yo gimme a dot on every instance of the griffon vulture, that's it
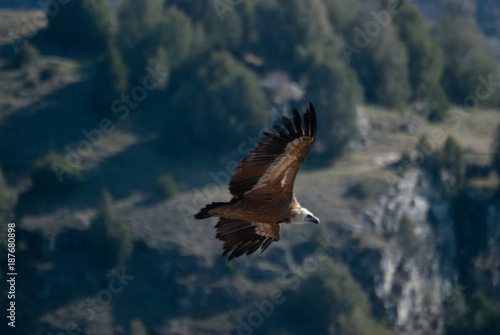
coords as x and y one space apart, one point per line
262 189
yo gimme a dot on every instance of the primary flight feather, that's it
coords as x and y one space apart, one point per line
262 189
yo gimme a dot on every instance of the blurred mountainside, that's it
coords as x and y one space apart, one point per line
114 133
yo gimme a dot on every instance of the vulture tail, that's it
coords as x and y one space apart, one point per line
204 213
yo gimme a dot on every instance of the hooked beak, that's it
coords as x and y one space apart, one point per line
314 220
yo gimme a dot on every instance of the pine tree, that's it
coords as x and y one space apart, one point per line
334 90
110 80
452 159
109 236
153 34
137 38
425 57
467 58
295 37
176 37
382 64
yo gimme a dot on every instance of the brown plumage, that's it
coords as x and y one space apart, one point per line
262 189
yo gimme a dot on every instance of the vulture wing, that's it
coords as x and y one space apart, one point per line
272 166
243 237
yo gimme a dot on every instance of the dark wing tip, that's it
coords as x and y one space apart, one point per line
310 120
289 126
282 133
242 238
298 123
270 147
299 128
267 243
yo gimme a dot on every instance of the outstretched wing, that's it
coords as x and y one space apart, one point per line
243 237
272 166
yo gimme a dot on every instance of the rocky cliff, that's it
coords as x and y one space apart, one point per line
418 262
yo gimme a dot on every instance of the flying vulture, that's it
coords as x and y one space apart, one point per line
262 189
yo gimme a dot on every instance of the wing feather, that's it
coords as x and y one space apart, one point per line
277 156
298 123
307 125
283 134
289 126
243 237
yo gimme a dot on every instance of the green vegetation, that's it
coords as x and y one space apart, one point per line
223 28
478 315
467 58
46 181
166 187
475 312
342 15
360 190
29 59
452 160
84 25
425 60
423 148
151 34
110 80
177 37
202 47
334 90
28 55
336 304
236 102
137 36
470 227
382 65
404 164
437 104
109 236
314 42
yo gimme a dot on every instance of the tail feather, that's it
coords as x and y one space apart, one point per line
204 213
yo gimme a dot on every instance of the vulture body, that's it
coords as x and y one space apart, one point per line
262 189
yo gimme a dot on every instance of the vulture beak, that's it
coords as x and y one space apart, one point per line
314 220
